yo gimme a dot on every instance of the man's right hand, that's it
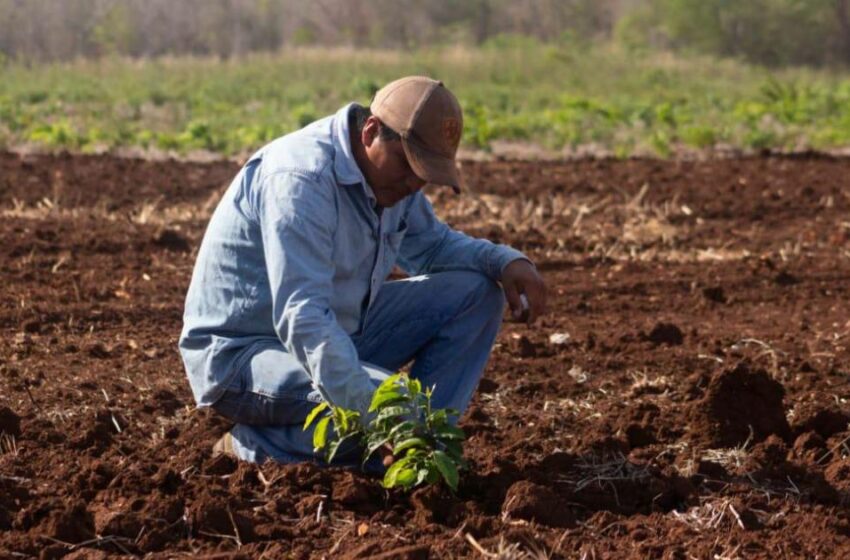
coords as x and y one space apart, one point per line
387 457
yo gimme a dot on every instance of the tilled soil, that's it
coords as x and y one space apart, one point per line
686 397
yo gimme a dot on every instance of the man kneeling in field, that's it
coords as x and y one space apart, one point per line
289 303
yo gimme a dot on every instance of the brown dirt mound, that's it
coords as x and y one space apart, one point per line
826 421
533 502
740 404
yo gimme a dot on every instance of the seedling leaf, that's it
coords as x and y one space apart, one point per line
422 476
389 385
393 472
321 433
403 428
390 412
447 469
390 397
373 446
335 445
314 413
449 432
406 477
411 443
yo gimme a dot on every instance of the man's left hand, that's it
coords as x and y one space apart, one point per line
519 278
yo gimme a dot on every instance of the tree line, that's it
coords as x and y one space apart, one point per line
772 32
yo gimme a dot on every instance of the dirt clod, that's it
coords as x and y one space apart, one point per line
715 294
524 348
826 421
172 240
666 333
10 423
838 475
71 524
533 502
785 278
356 493
740 405
809 447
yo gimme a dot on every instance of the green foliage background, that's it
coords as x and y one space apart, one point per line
770 32
557 95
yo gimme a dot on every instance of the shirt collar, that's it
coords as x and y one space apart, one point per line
345 166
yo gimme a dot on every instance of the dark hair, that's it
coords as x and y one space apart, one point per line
359 114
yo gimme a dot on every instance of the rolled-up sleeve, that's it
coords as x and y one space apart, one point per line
432 246
298 219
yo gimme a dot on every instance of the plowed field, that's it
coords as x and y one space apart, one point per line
686 397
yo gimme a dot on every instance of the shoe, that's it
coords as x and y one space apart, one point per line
224 446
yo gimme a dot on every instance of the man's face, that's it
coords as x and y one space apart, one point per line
388 172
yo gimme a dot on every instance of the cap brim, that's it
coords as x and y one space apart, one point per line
430 166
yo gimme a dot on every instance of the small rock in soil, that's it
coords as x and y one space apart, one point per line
666 333
559 338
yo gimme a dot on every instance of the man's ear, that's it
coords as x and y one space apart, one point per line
371 128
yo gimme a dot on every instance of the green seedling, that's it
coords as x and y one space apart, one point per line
427 447
346 423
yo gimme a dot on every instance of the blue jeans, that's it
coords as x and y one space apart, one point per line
445 323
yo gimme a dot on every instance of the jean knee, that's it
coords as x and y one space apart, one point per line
487 294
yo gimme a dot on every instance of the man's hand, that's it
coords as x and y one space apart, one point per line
386 453
519 279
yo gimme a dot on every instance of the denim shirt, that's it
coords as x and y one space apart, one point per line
296 253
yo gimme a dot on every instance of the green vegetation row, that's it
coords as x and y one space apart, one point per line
517 89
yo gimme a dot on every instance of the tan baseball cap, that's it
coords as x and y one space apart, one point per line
430 121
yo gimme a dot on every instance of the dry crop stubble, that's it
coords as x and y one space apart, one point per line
610 224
